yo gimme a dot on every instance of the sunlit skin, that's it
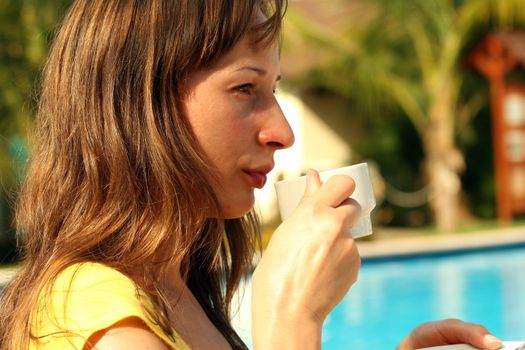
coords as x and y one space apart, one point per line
237 121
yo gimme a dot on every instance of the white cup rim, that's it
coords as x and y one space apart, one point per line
328 171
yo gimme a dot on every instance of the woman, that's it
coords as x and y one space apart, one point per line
157 120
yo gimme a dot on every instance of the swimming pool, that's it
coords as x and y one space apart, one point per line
392 296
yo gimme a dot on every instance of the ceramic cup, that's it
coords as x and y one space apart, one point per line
290 192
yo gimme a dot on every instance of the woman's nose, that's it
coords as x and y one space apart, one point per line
276 130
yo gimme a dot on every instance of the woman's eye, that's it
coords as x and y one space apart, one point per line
245 88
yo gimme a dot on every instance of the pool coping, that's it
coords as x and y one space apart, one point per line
440 243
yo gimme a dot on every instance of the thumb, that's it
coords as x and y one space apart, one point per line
485 340
313 182
475 334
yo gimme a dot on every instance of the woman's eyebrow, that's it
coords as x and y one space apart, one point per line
259 71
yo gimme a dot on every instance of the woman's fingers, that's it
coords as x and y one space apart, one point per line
350 211
336 190
331 201
458 331
313 181
332 193
450 331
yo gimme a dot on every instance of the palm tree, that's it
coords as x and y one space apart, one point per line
410 54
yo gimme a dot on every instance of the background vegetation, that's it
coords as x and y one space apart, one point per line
409 61
26 28
392 63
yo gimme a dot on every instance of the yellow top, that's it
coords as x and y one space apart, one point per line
87 298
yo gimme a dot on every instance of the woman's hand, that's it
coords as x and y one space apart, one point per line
308 267
449 332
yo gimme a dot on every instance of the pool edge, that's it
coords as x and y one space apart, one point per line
441 244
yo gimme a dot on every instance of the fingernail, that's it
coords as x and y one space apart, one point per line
491 340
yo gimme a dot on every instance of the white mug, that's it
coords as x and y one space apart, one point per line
290 192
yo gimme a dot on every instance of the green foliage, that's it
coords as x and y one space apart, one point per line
26 29
408 62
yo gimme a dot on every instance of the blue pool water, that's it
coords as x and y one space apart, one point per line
392 296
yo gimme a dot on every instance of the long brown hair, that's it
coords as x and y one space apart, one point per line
116 176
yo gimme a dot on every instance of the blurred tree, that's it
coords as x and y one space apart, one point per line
25 32
410 56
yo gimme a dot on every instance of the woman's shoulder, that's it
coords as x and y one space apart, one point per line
95 290
93 277
86 298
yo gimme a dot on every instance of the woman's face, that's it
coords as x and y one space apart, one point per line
235 117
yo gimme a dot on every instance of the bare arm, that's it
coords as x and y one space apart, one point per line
128 334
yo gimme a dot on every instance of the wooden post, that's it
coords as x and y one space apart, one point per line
501 165
494 61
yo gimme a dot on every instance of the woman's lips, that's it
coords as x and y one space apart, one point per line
256 179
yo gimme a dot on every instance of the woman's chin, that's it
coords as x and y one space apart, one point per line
238 209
